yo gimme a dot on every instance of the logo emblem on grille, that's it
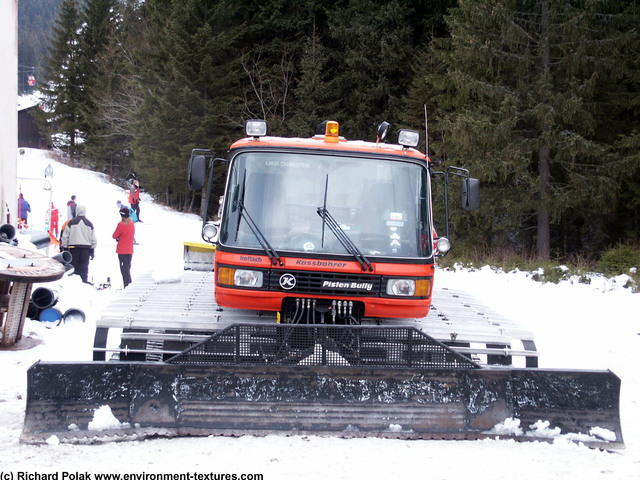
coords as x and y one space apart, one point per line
287 281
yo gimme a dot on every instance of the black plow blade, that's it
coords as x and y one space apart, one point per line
163 399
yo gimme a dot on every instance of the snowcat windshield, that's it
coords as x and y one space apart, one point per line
381 205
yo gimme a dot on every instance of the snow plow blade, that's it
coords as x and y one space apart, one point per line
438 394
198 256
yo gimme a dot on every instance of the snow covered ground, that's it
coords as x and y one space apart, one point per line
595 326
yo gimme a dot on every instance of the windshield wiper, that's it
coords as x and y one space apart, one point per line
262 240
327 219
264 243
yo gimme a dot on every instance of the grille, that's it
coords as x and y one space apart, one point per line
320 345
322 283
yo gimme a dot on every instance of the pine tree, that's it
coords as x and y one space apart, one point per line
98 23
314 100
619 124
115 94
186 76
525 113
274 35
62 89
372 48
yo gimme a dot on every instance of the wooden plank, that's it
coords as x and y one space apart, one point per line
20 265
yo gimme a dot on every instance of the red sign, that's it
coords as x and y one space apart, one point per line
31 80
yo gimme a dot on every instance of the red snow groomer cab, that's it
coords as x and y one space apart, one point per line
324 229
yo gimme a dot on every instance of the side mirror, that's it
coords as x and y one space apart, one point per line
470 194
197 172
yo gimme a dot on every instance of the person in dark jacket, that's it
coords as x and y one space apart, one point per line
79 237
71 208
23 211
134 198
124 234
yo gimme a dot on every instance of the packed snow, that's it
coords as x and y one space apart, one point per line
576 325
104 419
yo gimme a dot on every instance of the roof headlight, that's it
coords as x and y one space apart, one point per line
255 128
408 138
383 131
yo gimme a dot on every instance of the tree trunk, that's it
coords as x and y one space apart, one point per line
543 240
203 206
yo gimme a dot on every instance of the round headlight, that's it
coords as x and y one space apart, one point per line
210 232
443 245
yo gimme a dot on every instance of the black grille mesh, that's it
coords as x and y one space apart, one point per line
317 345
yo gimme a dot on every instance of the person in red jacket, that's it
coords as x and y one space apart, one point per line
55 216
134 198
124 235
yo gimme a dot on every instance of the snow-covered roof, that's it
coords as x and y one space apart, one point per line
27 101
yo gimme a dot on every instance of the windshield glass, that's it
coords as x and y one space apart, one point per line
381 205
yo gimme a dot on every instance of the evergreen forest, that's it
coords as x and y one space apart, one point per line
539 99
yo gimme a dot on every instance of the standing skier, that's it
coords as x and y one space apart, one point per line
71 207
79 237
134 198
124 235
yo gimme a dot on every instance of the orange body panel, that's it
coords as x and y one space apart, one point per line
272 300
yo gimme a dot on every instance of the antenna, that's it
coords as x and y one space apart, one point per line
426 130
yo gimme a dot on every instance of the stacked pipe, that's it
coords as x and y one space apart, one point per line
42 307
43 300
7 233
64 258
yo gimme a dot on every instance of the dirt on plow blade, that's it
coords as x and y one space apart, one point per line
169 400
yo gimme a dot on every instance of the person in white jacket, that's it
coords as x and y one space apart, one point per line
79 237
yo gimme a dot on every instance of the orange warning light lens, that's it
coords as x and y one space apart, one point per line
332 132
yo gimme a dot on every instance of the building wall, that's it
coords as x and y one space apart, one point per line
8 108
28 133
